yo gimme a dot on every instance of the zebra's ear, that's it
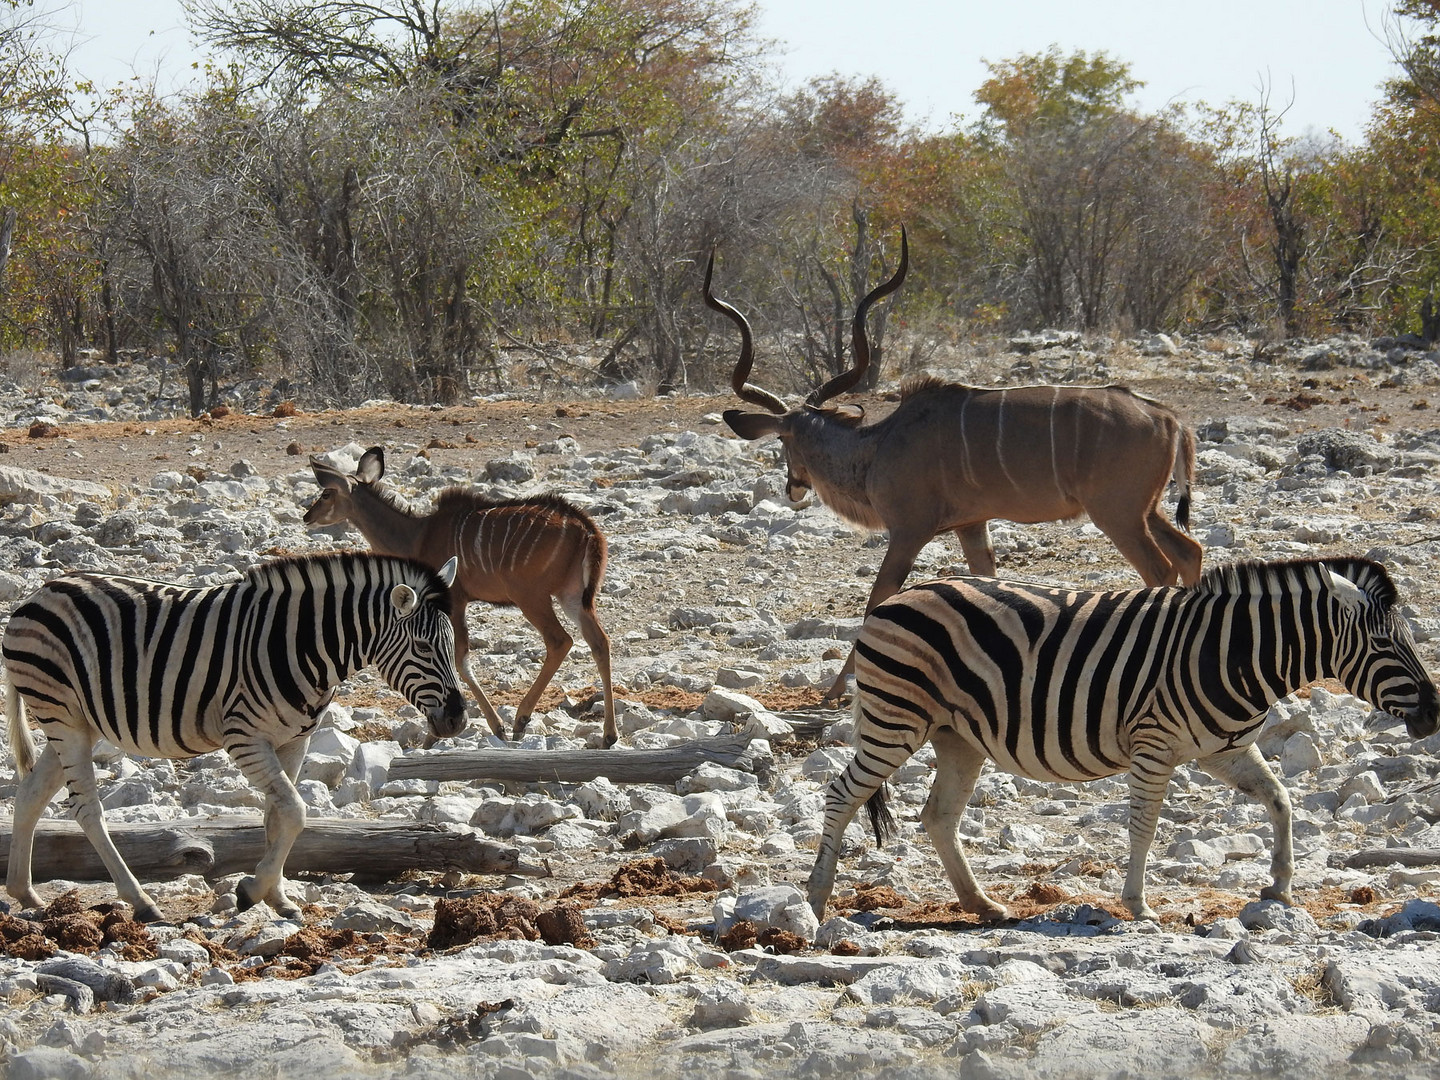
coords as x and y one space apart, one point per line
1346 591
447 572
404 600
371 466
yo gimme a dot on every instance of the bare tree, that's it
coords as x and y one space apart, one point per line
1411 32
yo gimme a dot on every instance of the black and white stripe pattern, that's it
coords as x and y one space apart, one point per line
1058 684
167 671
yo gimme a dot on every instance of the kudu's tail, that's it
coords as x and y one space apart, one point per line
1184 475
20 744
596 552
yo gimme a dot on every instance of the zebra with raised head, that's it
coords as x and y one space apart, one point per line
1059 684
168 671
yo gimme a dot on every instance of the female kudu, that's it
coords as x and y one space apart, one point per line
512 551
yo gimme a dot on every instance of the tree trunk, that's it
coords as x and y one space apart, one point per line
577 766
215 847
1367 857
7 233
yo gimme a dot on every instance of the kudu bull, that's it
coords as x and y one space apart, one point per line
951 457
512 551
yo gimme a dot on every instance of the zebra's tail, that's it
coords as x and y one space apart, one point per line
20 744
881 819
878 805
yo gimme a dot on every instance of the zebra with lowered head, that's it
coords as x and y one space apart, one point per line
168 671
1059 684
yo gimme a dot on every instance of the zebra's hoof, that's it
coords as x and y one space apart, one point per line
1271 892
148 913
989 911
26 897
244 898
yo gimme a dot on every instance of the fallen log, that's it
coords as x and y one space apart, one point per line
620 766
215 847
1384 856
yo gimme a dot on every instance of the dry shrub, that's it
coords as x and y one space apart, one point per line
75 933
643 877
464 919
24 939
563 924
742 935
318 943
67 903
781 941
1045 892
66 924
871 897
284 409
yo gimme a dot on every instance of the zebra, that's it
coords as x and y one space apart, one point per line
169 671
1060 684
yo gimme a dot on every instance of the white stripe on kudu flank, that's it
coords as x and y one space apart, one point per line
1054 449
965 442
1000 439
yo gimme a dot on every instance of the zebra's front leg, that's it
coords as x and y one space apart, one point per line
957 767
1245 770
1149 776
36 790
269 772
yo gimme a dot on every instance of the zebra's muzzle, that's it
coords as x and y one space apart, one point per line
1425 717
448 719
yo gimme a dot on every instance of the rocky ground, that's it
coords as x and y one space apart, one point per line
668 937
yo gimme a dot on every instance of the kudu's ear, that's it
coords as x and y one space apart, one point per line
326 475
404 600
749 425
372 465
447 572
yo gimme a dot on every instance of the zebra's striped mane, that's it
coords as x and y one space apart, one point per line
262 571
1255 575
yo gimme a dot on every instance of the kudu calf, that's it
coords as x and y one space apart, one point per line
951 457
512 551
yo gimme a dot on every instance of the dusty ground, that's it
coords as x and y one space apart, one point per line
836 576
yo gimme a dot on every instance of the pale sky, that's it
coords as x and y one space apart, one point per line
930 53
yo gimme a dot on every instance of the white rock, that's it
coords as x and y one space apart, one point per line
825 764
29 486
710 776
700 814
1300 754
1365 785
728 705
371 763
783 907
